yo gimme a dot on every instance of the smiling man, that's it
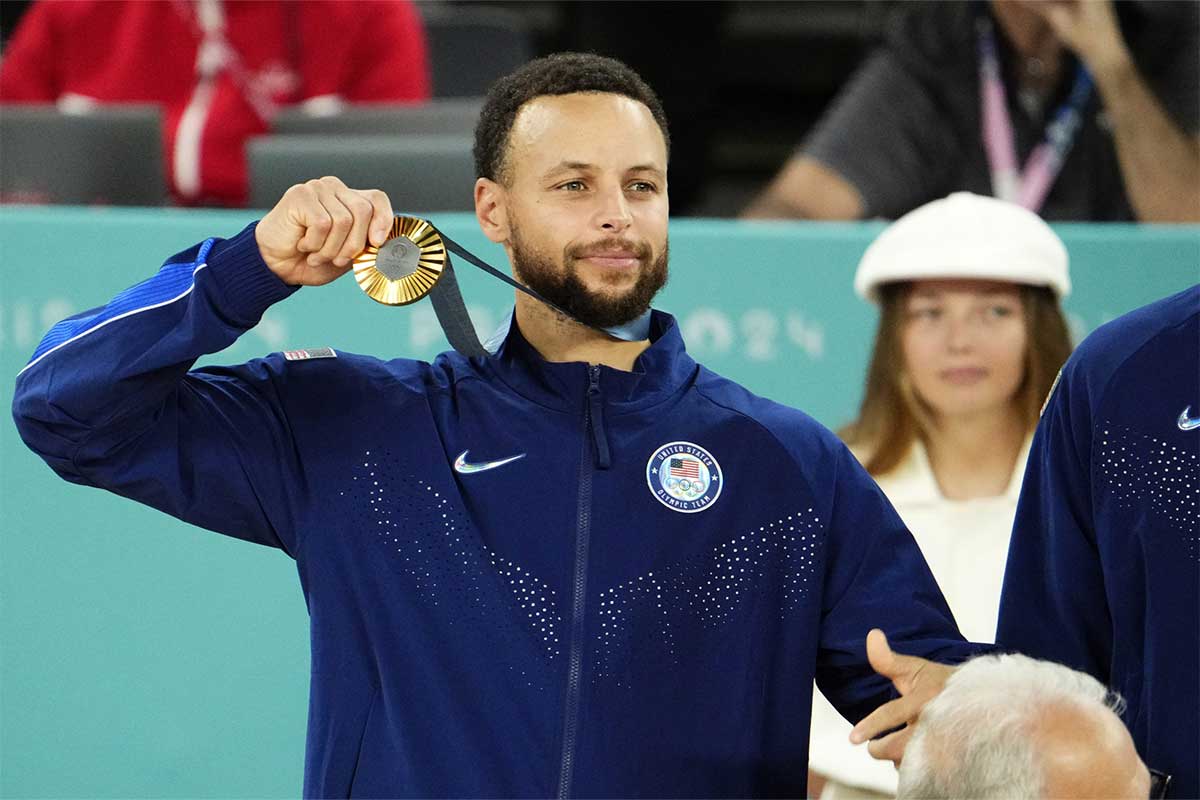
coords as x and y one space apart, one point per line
602 281
583 565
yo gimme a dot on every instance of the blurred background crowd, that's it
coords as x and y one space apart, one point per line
819 109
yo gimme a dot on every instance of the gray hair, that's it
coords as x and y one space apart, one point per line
974 740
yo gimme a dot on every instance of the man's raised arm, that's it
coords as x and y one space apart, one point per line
108 398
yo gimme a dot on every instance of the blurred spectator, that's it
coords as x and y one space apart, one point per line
1079 110
970 338
1009 726
220 70
1104 570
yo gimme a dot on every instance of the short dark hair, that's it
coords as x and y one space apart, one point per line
561 73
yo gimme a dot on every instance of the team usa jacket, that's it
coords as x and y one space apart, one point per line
1104 566
524 578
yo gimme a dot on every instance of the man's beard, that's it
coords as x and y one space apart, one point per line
567 291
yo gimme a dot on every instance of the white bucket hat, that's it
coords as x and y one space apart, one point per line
965 236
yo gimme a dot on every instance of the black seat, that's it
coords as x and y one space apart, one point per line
438 116
110 155
469 48
418 173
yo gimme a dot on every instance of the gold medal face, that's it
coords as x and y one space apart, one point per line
405 267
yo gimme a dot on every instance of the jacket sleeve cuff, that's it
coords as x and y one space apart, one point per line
247 285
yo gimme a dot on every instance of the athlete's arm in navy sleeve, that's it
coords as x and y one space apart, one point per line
108 400
875 577
1053 604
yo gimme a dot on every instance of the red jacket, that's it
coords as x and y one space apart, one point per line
261 54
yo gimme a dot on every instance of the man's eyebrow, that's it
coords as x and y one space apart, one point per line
646 168
568 166
565 166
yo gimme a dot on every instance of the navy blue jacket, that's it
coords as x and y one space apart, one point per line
636 605
1104 565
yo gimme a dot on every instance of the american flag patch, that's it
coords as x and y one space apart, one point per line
684 477
304 355
684 468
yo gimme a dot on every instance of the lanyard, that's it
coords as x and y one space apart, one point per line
215 54
1029 187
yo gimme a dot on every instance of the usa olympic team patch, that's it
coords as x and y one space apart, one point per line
684 477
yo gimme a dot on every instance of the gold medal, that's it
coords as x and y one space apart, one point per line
405 267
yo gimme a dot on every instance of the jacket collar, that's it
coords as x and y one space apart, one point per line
912 481
659 372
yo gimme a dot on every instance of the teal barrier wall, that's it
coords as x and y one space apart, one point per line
140 657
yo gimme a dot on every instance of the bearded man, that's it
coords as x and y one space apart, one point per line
580 565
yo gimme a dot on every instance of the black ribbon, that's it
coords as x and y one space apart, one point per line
452 311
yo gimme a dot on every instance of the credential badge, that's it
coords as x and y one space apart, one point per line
684 477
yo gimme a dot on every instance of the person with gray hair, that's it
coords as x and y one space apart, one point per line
1011 726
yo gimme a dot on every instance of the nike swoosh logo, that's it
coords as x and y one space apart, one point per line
461 464
1187 423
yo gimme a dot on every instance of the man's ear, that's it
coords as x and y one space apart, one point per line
491 209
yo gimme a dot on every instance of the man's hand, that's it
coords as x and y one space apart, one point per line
918 682
1088 27
314 232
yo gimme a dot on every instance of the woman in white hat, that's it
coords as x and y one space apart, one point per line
970 339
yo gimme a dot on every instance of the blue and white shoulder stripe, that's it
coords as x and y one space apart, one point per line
173 282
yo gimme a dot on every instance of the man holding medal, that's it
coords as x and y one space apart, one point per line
579 564
1083 110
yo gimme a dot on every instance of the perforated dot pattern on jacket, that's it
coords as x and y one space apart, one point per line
431 542
645 617
1141 470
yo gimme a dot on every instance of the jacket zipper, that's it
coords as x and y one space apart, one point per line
596 416
593 441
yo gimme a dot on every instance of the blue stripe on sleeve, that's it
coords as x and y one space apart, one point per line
172 282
